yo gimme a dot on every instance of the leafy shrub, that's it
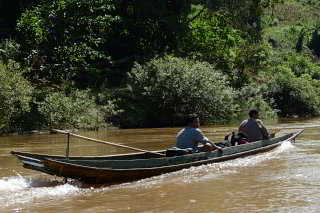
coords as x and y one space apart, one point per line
292 95
251 97
130 114
302 64
15 94
295 13
250 59
9 50
313 3
77 110
211 39
315 42
168 88
64 39
298 63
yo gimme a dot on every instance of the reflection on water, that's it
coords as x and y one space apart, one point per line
286 179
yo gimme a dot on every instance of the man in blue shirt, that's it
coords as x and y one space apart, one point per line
190 136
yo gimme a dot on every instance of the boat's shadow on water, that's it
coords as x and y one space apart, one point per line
40 182
37 183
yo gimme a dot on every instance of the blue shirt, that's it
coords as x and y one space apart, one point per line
190 137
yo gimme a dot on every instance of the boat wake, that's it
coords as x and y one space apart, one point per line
12 184
19 192
209 171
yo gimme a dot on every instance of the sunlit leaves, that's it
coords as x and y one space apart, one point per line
293 95
15 94
173 87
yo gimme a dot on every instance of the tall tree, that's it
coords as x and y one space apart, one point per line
84 40
11 11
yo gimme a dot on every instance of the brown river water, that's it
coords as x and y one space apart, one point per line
286 179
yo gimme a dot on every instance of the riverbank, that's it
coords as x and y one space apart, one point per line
44 132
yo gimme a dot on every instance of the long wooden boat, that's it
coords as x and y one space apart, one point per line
124 168
34 161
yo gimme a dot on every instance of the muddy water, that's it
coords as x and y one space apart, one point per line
286 179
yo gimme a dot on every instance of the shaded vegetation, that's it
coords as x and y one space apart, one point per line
301 97
88 63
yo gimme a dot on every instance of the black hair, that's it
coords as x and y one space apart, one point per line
190 118
253 112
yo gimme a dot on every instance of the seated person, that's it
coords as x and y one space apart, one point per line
190 136
254 128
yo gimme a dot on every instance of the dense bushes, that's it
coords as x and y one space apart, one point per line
15 95
251 97
9 50
169 88
293 95
76 110
315 42
302 64
77 54
24 107
65 40
65 110
211 39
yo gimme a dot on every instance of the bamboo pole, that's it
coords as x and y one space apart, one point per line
105 142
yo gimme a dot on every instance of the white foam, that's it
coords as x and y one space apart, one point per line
20 192
17 192
13 184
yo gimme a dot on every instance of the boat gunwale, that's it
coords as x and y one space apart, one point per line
28 154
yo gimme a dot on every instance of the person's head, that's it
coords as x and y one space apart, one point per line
193 121
253 113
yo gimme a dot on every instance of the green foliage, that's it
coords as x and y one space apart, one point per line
302 64
64 39
299 45
289 37
33 27
293 12
77 110
251 97
93 44
298 63
250 59
312 3
314 44
150 27
211 39
296 19
129 113
9 50
15 94
244 15
292 95
83 40
169 88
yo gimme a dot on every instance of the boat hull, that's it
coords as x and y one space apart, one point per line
119 169
105 175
